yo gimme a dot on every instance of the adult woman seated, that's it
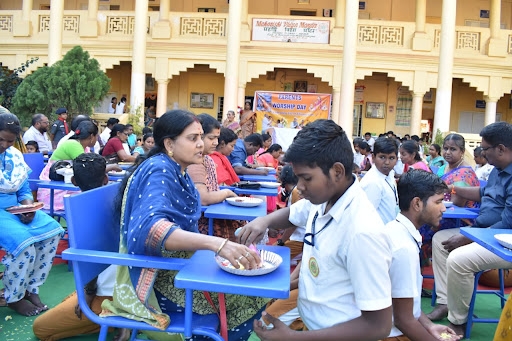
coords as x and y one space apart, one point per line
159 214
434 159
30 239
204 177
456 172
114 150
86 135
410 156
225 173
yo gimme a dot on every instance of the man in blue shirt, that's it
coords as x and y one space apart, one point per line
455 257
244 148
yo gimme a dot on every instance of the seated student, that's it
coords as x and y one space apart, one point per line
379 183
66 319
358 157
421 202
244 148
225 173
344 234
482 168
366 151
32 147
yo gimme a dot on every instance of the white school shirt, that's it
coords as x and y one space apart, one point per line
405 272
120 108
381 191
347 269
483 172
106 281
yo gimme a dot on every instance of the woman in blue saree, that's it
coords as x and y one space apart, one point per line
30 239
159 217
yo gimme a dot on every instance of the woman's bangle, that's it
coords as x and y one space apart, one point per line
221 246
453 190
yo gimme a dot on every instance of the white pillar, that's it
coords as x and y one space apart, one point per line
445 70
421 12
495 19
416 112
23 27
490 110
139 56
55 36
232 56
336 105
245 32
162 28
92 9
345 118
337 31
161 99
27 9
240 98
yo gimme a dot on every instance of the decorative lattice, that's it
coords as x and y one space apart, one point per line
510 44
437 38
71 23
368 34
391 35
191 27
468 40
214 27
117 25
5 23
380 35
44 23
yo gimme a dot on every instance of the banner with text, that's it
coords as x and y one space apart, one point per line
294 31
285 107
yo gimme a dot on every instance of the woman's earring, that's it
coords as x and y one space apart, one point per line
170 153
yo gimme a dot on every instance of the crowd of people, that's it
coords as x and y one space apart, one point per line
375 204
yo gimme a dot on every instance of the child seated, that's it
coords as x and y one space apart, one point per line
32 147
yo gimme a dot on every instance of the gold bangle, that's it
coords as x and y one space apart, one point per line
221 246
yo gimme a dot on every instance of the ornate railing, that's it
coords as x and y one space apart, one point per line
71 23
204 27
465 40
380 35
5 23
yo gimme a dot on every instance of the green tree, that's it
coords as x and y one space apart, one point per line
75 82
10 80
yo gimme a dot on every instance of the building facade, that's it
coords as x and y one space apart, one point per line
404 65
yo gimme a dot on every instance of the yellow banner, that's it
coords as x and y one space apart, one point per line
288 109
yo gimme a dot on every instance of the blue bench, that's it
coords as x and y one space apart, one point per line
94 243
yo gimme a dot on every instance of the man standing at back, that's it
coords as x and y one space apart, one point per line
37 132
456 258
60 127
105 134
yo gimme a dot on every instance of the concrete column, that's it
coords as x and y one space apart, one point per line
490 110
420 40
240 98
339 22
496 47
162 28
336 98
139 56
161 99
345 118
23 27
417 109
445 69
89 27
55 36
245 32
232 56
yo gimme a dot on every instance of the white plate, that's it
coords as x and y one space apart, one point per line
270 260
114 173
447 204
244 201
269 184
268 168
504 239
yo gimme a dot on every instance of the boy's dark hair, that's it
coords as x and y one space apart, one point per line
111 121
287 176
367 133
364 146
254 139
208 123
415 138
385 146
89 171
418 183
498 133
227 135
321 143
77 120
146 130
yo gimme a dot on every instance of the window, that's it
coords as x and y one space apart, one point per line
403 108
220 105
303 12
208 10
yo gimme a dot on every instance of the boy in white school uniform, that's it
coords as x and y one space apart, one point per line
379 183
344 284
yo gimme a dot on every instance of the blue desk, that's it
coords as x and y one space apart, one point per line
115 177
203 273
224 210
125 166
459 213
269 178
485 238
53 185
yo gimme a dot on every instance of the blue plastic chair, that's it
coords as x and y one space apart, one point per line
482 183
36 163
94 244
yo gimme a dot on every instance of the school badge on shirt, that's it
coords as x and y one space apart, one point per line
313 267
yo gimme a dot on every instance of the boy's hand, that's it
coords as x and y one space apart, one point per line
253 232
441 332
26 218
280 332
